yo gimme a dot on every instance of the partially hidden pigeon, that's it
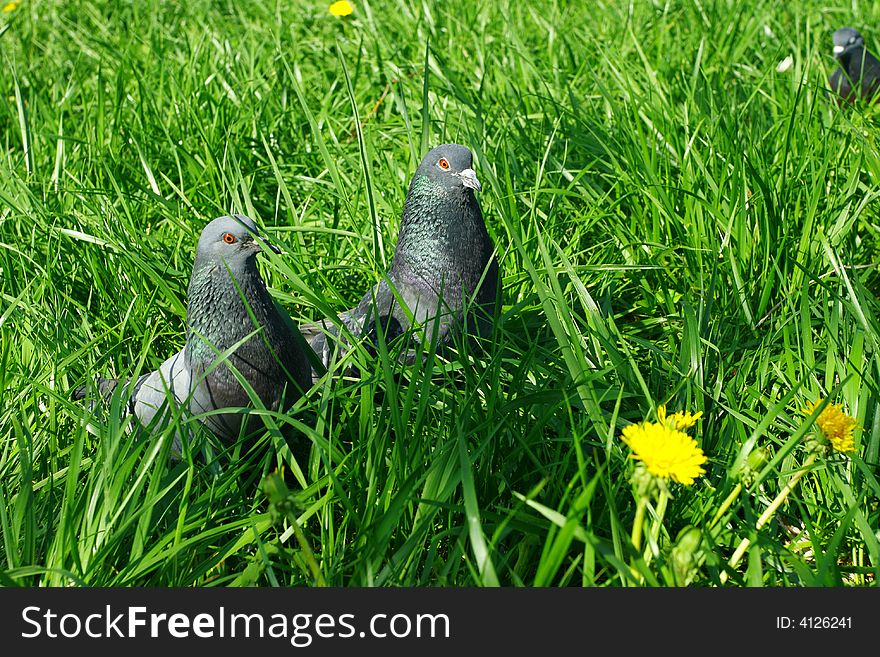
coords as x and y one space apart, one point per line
444 273
858 67
231 322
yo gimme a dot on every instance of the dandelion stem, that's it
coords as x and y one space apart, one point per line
768 514
638 522
725 506
636 536
307 552
658 522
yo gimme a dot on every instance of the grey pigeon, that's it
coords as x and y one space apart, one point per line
857 67
227 304
444 263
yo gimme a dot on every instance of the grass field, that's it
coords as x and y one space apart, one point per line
678 223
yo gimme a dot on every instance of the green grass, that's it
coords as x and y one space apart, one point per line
677 222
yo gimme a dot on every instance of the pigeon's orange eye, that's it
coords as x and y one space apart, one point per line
229 238
443 163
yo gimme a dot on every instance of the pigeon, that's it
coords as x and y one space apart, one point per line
444 270
228 310
857 66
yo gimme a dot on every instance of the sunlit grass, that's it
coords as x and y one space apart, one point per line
677 223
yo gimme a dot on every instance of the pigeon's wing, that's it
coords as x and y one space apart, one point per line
870 77
487 301
104 388
488 295
417 304
325 341
303 360
840 83
315 336
392 307
318 334
172 380
329 341
209 393
440 313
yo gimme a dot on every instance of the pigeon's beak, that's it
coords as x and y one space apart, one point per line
271 246
838 49
260 242
469 179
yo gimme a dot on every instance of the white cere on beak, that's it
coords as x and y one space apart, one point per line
838 50
469 179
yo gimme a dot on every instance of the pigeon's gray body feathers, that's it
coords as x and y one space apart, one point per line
858 67
444 273
233 323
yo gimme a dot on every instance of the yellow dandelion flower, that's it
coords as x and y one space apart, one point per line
835 425
666 452
341 8
11 6
681 420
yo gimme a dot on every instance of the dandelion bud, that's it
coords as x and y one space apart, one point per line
758 458
685 555
644 483
755 462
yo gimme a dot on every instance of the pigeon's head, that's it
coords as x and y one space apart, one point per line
845 39
233 239
450 165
